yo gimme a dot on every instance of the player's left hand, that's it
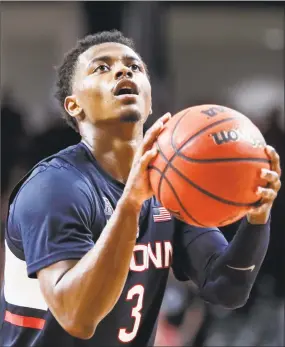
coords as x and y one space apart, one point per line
260 214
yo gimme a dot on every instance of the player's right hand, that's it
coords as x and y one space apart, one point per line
138 188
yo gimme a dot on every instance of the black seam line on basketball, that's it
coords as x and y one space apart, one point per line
161 177
205 161
213 196
201 131
152 167
191 138
177 151
219 160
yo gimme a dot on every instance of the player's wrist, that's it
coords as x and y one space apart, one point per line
257 219
129 203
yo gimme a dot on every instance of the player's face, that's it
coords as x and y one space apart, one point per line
111 83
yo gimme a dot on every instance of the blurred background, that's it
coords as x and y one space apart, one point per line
228 54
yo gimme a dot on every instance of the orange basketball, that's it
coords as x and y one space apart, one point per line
208 166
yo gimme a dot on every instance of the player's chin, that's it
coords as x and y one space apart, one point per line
130 108
130 116
130 113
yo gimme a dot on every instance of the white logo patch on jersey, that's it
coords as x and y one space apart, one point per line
108 209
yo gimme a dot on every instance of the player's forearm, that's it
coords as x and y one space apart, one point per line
231 275
89 291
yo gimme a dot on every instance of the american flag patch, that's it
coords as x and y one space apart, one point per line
160 214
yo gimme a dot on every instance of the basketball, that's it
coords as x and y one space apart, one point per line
208 165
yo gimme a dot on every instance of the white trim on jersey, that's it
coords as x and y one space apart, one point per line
19 289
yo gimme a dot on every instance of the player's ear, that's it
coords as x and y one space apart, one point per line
72 107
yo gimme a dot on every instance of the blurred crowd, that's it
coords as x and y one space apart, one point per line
185 320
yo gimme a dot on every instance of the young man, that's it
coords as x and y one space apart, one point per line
87 256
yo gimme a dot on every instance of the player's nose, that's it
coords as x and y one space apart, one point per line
124 71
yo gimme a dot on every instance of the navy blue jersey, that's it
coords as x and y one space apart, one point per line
57 212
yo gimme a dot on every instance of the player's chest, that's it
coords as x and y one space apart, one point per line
155 235
155 239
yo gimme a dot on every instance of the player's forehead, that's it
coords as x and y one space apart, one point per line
115 51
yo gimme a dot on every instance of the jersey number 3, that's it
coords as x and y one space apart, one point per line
124 335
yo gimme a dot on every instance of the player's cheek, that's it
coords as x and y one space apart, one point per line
92 98
92 87
147 98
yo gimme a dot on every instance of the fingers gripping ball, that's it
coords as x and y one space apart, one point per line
208 166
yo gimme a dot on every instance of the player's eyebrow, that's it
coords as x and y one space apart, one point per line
108 59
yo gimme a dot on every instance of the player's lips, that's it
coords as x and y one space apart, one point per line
126 87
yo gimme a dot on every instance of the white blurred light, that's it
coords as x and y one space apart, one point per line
256 97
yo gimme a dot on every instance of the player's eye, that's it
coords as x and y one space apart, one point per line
135 67
102 68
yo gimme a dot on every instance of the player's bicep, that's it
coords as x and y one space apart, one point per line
50 276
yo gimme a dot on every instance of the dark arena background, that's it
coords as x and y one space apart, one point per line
197 53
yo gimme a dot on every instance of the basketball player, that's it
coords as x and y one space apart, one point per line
88 247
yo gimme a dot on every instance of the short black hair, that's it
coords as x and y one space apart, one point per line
65 71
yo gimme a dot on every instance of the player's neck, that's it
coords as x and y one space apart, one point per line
114 147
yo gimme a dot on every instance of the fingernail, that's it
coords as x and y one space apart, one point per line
263 173
258 190
167 115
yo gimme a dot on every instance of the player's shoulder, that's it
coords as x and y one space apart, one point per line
55 175
70 158
56 169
